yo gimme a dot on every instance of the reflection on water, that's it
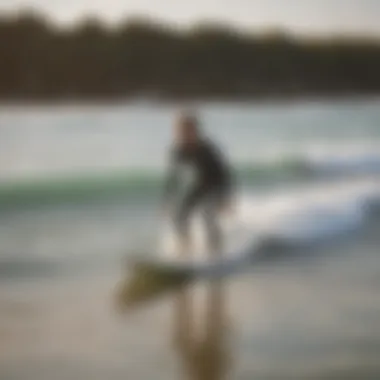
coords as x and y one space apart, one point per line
204 354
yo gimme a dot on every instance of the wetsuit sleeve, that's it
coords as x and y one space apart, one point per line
172 176
229 182
227 175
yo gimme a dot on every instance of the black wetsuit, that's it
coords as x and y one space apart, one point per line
211 187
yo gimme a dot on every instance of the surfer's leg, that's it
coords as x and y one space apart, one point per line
187 207
210 213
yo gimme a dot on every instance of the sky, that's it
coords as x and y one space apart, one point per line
298 16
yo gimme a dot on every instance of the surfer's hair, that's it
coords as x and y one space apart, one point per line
190 119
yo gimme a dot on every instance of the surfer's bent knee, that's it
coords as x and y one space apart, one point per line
182 219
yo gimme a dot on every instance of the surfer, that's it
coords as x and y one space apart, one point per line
211 185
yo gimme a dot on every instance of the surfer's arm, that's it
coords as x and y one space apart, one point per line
228 183
229 190
226 175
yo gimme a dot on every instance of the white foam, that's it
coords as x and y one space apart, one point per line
345 160
310 214
306 215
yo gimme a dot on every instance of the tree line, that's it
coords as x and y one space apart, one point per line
41 61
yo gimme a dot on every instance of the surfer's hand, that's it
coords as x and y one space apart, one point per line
227 208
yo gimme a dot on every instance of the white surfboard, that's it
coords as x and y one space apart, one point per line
151 276
195 267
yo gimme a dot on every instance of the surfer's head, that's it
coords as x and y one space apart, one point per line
187 129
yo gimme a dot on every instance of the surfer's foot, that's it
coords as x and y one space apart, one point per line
184 248
215 250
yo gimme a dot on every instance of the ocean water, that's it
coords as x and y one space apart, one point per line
79 194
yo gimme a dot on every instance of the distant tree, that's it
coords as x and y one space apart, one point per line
141 57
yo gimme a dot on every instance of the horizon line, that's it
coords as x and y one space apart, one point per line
167 23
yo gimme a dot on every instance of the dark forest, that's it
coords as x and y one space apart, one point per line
137 58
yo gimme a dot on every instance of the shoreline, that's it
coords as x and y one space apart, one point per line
188 101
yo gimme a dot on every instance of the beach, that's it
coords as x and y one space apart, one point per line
80 191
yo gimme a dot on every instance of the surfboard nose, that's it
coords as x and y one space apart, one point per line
146 283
